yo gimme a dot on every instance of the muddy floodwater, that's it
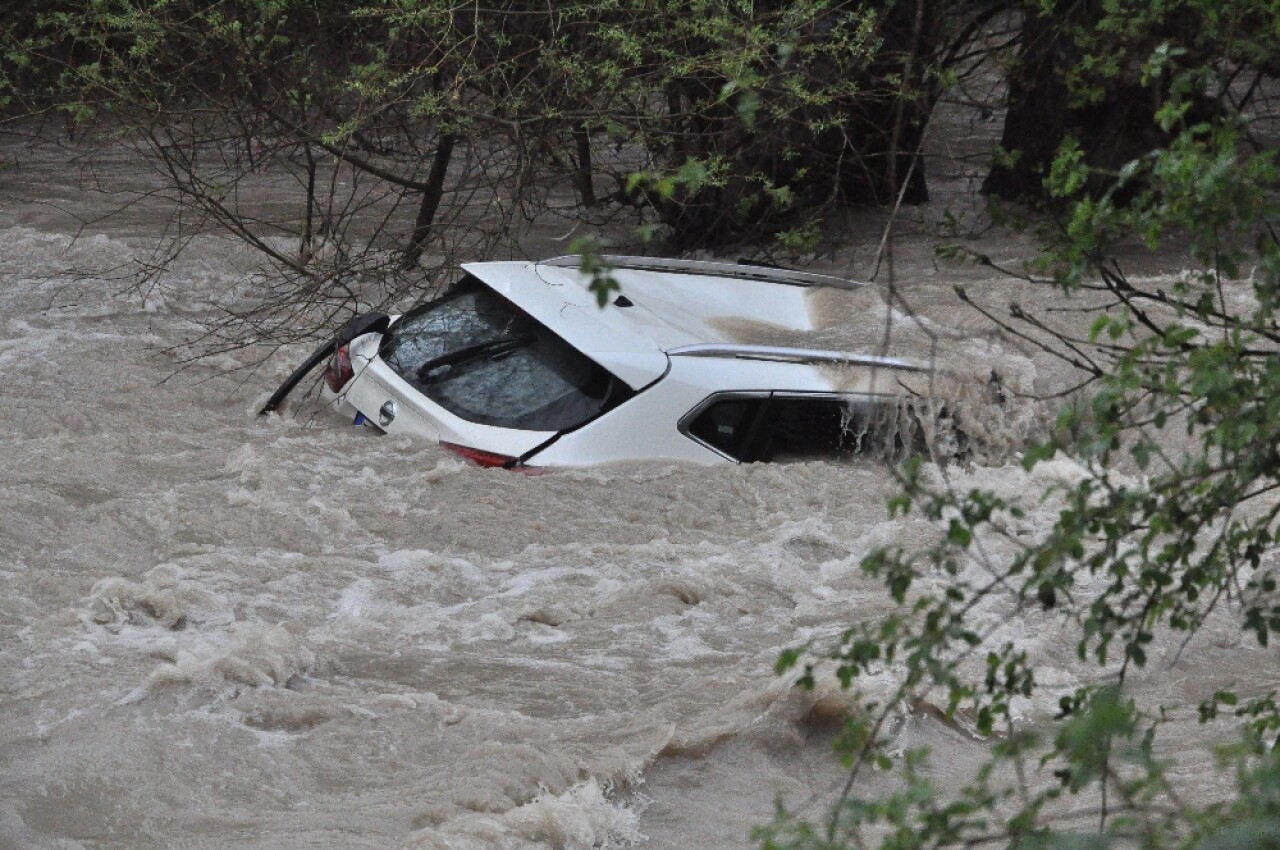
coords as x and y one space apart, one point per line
225 631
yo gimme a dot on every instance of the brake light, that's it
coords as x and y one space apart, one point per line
339 370
479 456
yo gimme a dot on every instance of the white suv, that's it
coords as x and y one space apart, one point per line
518 365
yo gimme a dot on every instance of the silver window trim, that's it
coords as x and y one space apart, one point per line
792 355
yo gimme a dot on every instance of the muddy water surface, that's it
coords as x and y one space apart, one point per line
226 631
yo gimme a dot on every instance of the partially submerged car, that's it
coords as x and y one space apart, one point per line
518 365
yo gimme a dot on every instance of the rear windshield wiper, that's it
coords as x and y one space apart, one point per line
470 352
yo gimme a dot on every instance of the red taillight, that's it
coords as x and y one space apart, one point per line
339 371
478 456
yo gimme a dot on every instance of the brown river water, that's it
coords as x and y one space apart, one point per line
226 631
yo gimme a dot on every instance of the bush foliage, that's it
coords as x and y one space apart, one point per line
1172 520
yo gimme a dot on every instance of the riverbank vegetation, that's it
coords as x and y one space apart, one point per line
418 133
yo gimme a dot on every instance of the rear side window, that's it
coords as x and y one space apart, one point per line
781 428
482 358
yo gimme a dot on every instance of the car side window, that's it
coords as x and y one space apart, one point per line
725 424
780 428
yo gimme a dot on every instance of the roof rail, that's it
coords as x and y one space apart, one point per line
712 268
792 355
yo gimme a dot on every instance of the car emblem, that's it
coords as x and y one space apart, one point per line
387 413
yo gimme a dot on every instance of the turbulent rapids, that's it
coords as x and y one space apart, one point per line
229 631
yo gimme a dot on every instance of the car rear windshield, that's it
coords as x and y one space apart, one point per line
484 359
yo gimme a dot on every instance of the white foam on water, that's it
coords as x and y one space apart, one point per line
580 818
246 656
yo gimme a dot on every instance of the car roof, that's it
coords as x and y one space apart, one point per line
678 308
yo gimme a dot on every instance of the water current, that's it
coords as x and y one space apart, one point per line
226 631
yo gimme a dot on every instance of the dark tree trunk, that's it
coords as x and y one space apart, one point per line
431 196
885 131
582 174
858 149
1112 129
308 222
1036 119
